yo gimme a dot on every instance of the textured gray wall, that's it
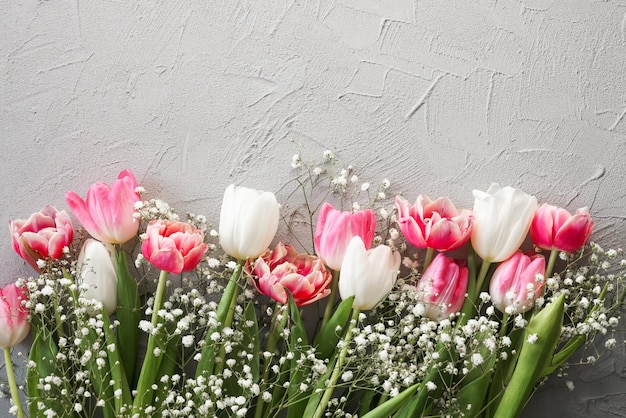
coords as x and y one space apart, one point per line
441 97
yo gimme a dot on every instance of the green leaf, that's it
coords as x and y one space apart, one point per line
471 396
328 337
390 406
251 339
43 352
533 358
298 343
128 314
118 375
207 358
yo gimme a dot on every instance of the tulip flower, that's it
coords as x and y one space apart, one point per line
368 275
555 228
108 211
517 283
96 268
442 287
44 235
434 224
502 217
335 230
282 269
248 221
14 325
173 246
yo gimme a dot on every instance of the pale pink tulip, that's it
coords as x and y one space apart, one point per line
335 229
555 228
108 211
173 246
517 283
283 269
442 287
44 235
434 224
368 275
14 325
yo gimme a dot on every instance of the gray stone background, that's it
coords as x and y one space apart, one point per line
440 97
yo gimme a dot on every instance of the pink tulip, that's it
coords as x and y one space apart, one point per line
173 246
434 224
442 287
108 211
335 229
14 325
282 269
517 282
555 228
44 235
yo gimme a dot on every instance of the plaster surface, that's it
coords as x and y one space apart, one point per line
440 97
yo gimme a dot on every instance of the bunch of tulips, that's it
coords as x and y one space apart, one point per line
240 366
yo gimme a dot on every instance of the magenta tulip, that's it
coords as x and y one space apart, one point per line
434 224
173 246
555 228
283 269
44 235
108 211
14 325
335 229
517 283
442 287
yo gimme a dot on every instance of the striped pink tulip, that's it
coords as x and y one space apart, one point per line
173 246
44 235
555 228
14 325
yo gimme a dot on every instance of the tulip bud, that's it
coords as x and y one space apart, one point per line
335 229
108 211
248 221
173 246
282 269
44 235
14 325
502 217
555 228
434 224
517 283
442 287
368 275
96 268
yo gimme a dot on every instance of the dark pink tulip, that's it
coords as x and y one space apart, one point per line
335 229
173 246
282 269
442 287
517 282
14 325
108 211
555 228
42 236
434 224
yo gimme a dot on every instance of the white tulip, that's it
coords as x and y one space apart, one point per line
367 275
97 270
248 221
502 217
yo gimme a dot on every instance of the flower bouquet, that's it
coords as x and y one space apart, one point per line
384 309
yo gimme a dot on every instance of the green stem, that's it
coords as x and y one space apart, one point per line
484 268
230 314
430 252
551 261
272 340
330 300
15 396
328 393
151 363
